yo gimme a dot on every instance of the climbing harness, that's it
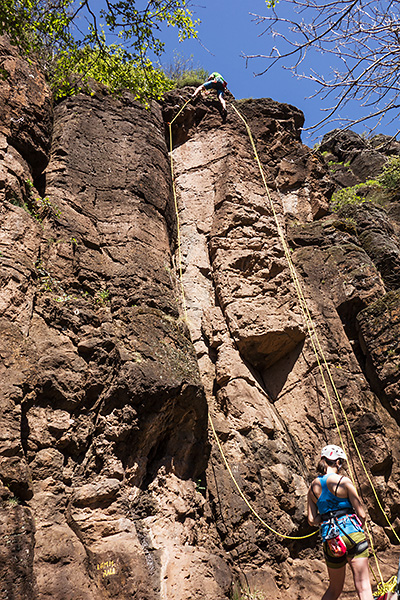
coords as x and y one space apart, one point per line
339 523
316 346
336 520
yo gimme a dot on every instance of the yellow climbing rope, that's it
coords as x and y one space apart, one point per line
178 228
312 333
253 511
386 588
318 351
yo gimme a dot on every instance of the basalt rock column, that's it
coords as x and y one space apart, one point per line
262 378
104 413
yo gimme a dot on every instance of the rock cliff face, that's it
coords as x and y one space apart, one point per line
112 484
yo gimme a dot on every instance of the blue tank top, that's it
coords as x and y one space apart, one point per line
328 502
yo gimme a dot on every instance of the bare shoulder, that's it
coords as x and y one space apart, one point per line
315 486
338 485
316 481
342 480
346 479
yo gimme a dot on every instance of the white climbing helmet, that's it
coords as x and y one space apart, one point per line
333 452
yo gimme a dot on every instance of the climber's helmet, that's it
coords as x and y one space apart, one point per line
333 452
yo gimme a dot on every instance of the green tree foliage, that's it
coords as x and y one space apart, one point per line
386 187
77 71
138 29
390 176
38 27
47 31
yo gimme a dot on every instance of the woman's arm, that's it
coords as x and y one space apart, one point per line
197 90
355 501
314 518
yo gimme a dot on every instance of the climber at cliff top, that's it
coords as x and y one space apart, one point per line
334 505
215 82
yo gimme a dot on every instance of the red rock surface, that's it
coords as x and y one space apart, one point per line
112 485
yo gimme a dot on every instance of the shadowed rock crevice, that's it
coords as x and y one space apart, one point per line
378 331
17 550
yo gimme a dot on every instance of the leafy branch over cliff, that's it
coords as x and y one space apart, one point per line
49 31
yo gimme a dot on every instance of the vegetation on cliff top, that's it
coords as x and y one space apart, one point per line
49 32
385 187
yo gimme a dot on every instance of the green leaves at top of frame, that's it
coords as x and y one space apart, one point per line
37 25
44 30
79 72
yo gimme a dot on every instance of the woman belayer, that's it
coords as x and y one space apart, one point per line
334 506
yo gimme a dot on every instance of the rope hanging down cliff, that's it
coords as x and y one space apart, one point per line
249 505
317 349
311 329
178 229
321 358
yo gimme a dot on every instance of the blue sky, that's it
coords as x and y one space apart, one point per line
227 32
